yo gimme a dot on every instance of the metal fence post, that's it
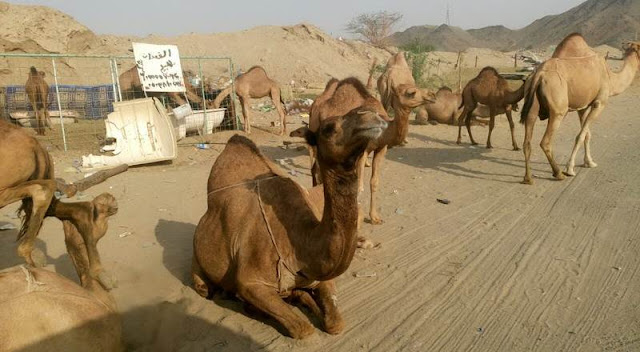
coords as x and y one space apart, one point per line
233 94
55 77
115 68
113 80
204 98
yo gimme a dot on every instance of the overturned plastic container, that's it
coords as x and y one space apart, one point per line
143 134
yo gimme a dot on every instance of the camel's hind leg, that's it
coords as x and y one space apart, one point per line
40 193
546 143
275 97
267 300
466 119
512 127
596 109
526 146
378 157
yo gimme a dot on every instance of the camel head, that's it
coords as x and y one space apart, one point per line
103 206
411 96
630 48
341 140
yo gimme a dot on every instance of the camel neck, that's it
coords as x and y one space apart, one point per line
513 97
622 79
398 128
333 241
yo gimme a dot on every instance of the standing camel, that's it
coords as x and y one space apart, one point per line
490 89
448 107
574 79
37 90
27 175
249 242
255 84
51 313
398 91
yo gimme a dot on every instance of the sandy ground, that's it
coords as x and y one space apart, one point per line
503 267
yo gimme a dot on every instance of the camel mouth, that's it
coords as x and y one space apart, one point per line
371 131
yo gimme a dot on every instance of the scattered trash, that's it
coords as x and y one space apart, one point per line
8 227
304 115
480 330
293 173
399 211
282 162
443 201
124 234
162 209
364 274
367 244
617 268
275 123
70 170
202 146
395 191
148 244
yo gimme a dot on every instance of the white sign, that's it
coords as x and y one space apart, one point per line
159 67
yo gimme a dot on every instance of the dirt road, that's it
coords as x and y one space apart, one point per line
503 267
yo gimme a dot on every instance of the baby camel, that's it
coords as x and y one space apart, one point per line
255 84
490 89
27 175
574 79
250 242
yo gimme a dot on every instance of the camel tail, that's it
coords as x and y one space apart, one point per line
529 96
220 98
373 68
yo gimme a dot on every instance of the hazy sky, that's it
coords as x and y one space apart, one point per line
142 17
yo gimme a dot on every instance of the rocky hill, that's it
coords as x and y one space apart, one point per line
601 22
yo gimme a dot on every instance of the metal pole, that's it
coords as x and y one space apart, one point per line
113 81
115 67
55 78
233 93
204 98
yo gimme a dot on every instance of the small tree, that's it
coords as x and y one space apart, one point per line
374 27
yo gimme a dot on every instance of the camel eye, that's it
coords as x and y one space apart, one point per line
329 129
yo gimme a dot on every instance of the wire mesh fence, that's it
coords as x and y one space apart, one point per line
64 99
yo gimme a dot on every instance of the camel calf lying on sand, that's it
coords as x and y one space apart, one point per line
37 90
27 175
250 242
448 107
255 84
51 313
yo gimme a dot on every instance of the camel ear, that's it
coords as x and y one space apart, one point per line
310 137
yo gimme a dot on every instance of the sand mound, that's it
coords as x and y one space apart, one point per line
40 29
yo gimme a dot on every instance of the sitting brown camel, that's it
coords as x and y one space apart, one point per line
398 91
27 175
339 98
51 313
574 79
255 84
130 83
37 91
490 89
251 243
447 110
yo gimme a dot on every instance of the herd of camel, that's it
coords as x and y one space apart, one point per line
249 242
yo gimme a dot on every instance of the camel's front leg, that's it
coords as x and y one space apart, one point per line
526 146
267 300
596 109
588 161
245 113
328 302
361 165
492 123
378 157
512 127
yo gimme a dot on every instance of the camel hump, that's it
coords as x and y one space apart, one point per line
444 89
573 45
241 154
489 70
